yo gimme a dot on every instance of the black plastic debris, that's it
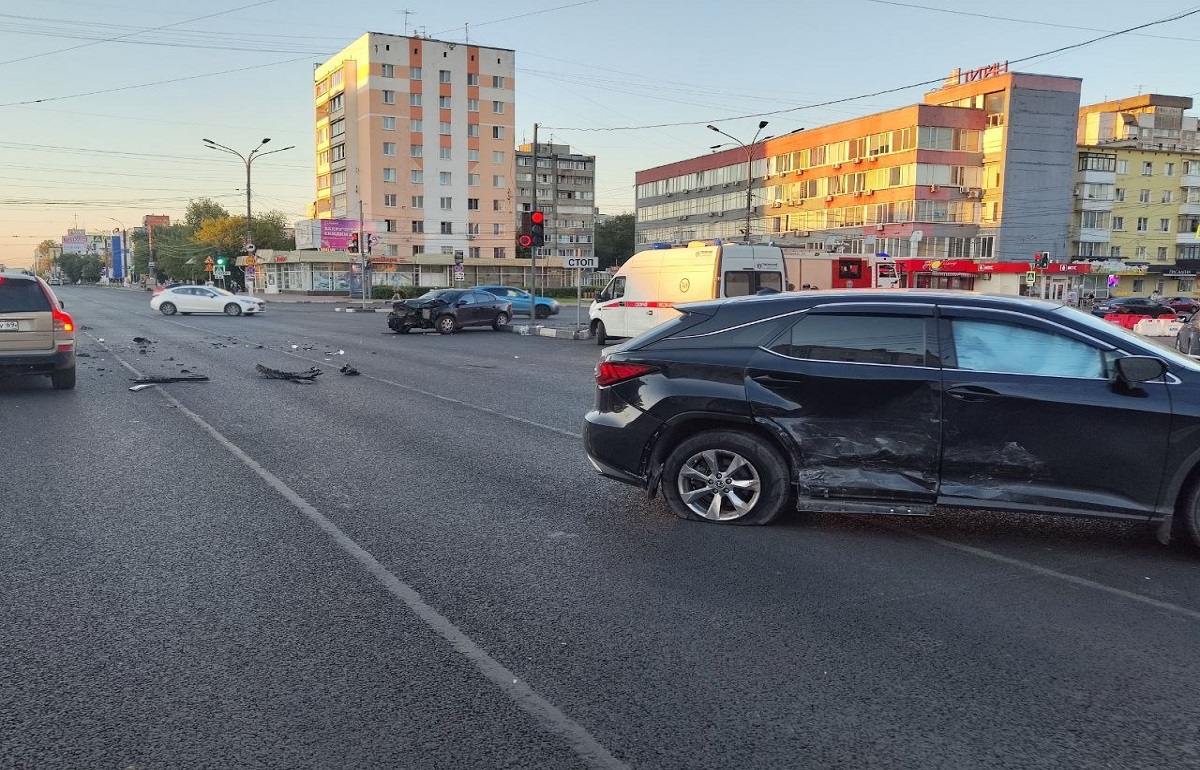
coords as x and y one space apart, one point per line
157 379
348 370
143 341
277 374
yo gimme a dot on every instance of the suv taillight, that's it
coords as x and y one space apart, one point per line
612 372
63 322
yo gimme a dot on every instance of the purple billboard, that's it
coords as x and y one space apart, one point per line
330 234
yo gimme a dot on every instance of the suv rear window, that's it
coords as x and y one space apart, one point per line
18 296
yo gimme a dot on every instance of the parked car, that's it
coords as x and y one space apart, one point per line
36 335
205 299
1187 341
899 402
544 307
448 310
1184 306
1131 306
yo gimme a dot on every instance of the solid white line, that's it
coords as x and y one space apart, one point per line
1053 573
554 721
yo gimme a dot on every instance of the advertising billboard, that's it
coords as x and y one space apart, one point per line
330 234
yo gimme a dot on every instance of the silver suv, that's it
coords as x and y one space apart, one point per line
36 336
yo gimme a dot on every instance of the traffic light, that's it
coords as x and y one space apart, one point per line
525 238
221 261
537 227
353 245
1041 260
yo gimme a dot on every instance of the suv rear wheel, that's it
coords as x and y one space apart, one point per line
726 476
63 379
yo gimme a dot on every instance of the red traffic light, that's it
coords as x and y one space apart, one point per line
537 217
525 241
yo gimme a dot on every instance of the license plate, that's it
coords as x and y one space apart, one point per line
8 326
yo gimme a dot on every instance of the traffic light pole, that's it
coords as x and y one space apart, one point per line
533 247
362 253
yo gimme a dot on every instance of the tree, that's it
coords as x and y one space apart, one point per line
615 240
43 252
227 236
72 266
177 255
200 210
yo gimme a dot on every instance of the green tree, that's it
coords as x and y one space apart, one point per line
71 266
177 255
43 251
615 240
227 236
200 210
90 268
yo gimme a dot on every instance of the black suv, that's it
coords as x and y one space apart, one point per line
897 401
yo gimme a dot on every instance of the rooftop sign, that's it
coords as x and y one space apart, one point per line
959 76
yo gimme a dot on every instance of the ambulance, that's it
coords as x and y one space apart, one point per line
645 289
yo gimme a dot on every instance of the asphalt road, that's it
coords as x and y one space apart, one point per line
417 568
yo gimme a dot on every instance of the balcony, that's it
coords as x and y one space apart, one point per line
1189 180
1093 204
1190 209
1097 177
1093 235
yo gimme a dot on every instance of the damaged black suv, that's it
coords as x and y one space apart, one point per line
448 310
898 402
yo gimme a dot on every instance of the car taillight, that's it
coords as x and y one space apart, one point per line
63 322
612 372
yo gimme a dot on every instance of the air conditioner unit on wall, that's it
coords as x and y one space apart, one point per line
870 192
878 227
974 192
828 198
933 188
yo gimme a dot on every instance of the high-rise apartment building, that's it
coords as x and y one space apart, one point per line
565 183
420 134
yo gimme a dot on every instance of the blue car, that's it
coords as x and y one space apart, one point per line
545 306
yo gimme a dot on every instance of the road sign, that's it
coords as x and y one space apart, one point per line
219 272
250 261
250 270
208 260
459 275
1030 278
250 248
580 262
208 268
372 239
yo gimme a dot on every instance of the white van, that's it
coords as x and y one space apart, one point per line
645 289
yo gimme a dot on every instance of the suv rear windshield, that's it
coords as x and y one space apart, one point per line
17 296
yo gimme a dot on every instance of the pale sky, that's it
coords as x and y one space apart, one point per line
129 88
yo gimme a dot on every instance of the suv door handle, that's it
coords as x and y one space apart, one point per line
972 393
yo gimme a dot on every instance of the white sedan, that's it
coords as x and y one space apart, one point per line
204 299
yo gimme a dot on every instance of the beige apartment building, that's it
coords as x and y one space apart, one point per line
416 135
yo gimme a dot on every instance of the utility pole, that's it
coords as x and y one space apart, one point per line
362 252
533 248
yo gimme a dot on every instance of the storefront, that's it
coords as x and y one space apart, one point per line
1017 278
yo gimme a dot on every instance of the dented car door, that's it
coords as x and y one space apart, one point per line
1033 419
856 389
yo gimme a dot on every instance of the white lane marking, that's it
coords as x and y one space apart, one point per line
1052 573
554 721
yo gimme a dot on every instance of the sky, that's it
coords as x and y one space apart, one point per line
106 104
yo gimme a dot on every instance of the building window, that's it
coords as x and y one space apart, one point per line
1147 169
323 158
472 105
497 81
1120 195
416 150
497 205
498 252
498 157
389 200
443 76
389 97
498 180
1143 196
389 225
444 153
1164 225
1143 224
338 152
415 73
336 103
389 175
472 204
1118 223
416 126
447 228
389 148
472 155
444 177
497 228
418 201
1162 254
416 176
414 99
337 128
1139 252
444 128
473 79
447 203
1115 252
1122 167
418 251
473 129
1095 220
497 132
472 180
1168 195
498 107
473 253
418 225
387 70
1169 169
444 102
389 123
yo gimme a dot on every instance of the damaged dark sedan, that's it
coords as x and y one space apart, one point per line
900 402
448 310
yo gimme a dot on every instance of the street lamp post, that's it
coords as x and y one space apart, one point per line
749 168
247 159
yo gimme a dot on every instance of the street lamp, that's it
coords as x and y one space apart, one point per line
749 168
247 159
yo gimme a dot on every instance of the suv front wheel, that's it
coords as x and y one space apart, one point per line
726 476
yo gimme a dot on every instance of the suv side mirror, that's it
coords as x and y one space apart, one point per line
1135 369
